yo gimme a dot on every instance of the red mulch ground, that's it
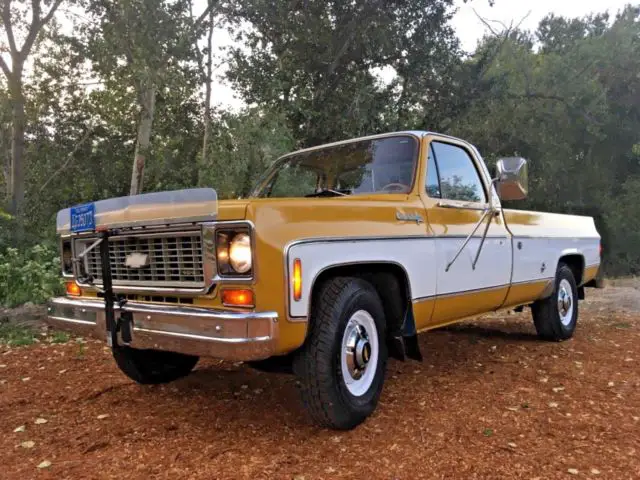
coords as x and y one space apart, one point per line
489 401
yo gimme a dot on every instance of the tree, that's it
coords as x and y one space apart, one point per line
316 61
147 44
242 146
207 96
15 20
561 106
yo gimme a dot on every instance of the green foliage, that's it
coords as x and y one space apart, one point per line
16 335
60 337
29 276
316 62
242 146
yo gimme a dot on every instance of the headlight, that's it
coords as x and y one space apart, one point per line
240 253
233 252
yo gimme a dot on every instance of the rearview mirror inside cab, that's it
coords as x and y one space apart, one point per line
513 178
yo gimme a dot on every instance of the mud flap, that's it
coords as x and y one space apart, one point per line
410 336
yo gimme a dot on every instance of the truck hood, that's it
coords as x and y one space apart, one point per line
232 210
149 209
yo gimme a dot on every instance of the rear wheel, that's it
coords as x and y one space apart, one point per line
153 366
556 317
342 364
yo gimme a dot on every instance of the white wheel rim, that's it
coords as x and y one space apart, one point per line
359 353
565 302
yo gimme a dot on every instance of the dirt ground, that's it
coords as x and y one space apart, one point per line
489 401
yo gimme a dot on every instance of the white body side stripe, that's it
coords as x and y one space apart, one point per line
415 255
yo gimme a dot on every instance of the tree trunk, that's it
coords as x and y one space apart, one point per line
16 190
207 104
148 97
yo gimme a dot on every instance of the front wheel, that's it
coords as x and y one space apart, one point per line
153 366
556 317
341 366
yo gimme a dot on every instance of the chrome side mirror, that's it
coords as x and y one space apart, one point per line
512 180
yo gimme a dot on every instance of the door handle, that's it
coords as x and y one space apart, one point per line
463 205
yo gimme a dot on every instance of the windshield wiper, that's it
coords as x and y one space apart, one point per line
327 192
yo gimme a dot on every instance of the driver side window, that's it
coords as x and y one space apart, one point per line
452 174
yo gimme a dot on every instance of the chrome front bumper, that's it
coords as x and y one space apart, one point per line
192 330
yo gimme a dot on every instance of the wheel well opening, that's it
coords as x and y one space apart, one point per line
576 264
390 282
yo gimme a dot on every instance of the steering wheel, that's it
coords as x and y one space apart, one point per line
395 187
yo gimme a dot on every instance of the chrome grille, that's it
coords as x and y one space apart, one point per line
174 260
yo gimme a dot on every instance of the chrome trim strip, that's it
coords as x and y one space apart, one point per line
471 291
136 307
417 134
73 320
161 222
539 280
532 237
463 205
193 336
423 299
478 290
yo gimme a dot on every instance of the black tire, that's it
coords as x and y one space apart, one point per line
318 364
153 366
547 314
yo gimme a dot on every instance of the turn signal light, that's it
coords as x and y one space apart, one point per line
237 298
297 279
73 289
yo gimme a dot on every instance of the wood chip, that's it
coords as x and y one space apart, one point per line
40 421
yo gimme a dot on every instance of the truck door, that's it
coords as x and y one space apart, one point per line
457 199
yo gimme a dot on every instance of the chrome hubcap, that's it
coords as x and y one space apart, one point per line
359 353
565 302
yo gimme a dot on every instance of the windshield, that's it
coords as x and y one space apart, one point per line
385 165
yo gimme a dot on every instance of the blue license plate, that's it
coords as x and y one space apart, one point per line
83 218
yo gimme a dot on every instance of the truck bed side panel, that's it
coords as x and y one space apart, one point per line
540 240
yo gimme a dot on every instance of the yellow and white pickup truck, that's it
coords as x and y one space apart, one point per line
342 254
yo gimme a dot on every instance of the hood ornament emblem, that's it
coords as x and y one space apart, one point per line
136 260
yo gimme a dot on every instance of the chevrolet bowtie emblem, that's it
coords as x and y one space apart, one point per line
136 260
